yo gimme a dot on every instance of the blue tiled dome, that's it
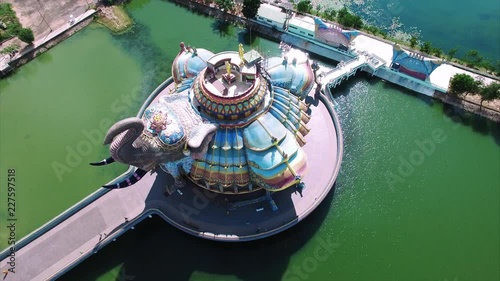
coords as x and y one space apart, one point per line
189 63
296 77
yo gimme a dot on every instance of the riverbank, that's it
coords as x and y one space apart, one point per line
44 17
9 63
115 18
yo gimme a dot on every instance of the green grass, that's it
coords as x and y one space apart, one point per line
10 48
9 18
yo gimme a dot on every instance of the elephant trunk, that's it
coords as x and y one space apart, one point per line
121 136
103 162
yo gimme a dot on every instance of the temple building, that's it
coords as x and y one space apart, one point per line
261 117
253 137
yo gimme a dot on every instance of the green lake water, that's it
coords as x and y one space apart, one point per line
417 197
447 24
50 115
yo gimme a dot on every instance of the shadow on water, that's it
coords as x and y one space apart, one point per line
137 4
246 37
456 114
373 81
137 43
423 98
156 249
222 28
477 123
495 132
192 10
46 57
342 90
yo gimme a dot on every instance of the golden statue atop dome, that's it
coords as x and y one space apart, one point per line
228 68
241 51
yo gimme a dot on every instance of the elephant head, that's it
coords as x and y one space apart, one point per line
170 131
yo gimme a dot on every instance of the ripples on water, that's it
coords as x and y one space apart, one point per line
383 14
447 23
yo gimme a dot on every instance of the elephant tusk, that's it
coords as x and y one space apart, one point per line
135 177
104 162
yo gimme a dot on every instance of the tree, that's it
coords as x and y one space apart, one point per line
490 92
372 29
347 19
463 84
472 58
318 9
413 41
486 63
452 53
426 47
497 67
357 22
330 14
26 35
304 6
250 8
226 5
342 13
437 51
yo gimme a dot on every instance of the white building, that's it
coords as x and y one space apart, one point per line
271 15
302 25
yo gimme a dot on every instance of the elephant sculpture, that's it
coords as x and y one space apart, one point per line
170 133
227 136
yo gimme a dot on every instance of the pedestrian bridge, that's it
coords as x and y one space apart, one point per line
333 77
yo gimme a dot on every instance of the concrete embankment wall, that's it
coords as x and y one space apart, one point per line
469 106
32 53
423 88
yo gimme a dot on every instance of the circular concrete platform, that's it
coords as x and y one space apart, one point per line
247 217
